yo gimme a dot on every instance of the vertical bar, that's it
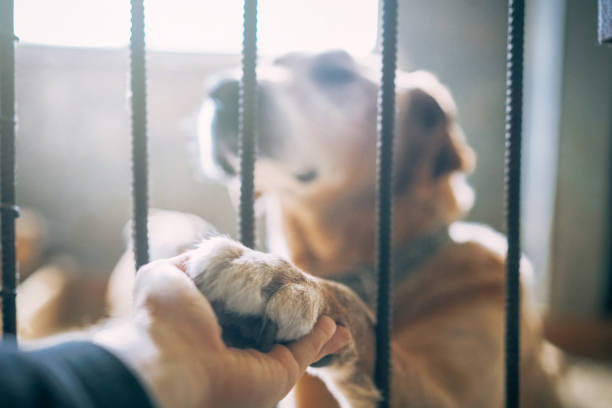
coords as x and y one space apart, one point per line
607 296
514 113
386 118
139 135
544 32
606 38
247 126
7 182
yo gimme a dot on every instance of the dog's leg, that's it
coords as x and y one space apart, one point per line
261 299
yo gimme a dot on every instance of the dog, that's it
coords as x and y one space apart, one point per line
315 180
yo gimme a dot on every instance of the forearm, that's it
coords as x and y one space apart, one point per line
163 369
73 374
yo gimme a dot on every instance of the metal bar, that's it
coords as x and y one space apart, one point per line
247 125
386 118
514 119
140 181
7 183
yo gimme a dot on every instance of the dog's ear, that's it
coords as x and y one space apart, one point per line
430 144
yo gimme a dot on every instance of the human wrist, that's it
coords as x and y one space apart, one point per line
125 342
166 375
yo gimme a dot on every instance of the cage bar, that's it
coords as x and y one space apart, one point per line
9 210
247 126
514 119
386 119
140 181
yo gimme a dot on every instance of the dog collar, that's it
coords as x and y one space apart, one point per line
405 260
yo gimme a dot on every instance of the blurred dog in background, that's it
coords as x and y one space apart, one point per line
315 180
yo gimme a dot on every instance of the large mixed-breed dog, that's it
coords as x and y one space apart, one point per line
316 179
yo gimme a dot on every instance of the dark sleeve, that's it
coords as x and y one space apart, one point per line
605 21
74 374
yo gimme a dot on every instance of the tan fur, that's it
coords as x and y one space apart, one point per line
448 315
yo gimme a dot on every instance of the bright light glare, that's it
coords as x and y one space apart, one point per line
212 26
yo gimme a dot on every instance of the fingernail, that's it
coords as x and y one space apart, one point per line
342 337
328 325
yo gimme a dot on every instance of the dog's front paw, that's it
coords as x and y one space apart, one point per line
260 299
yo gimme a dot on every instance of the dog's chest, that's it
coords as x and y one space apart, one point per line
407 260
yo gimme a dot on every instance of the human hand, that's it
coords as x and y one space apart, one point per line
173 342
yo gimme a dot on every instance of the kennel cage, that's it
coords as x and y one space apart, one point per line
247 149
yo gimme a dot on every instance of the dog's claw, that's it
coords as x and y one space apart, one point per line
324 361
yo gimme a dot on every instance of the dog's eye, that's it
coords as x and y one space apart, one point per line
332 74
307 176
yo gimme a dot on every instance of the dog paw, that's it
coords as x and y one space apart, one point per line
260 299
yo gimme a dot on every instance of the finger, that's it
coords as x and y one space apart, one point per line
162 284
157 276
340 339
181 261
166 294
306 350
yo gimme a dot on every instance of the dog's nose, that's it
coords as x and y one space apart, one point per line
225 92
224 128
225 121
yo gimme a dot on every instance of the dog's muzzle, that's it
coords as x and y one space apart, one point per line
270 130
224 126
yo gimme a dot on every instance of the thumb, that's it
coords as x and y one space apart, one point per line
307 350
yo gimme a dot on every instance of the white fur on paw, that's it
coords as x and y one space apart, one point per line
252 283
